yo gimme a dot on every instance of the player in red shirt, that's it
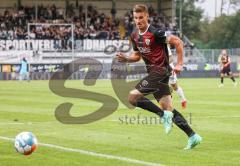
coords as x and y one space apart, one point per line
225 62
150 44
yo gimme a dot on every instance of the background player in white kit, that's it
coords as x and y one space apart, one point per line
177 88
173 81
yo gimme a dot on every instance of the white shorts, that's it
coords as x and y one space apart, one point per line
173 77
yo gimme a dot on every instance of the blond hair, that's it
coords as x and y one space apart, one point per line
139 8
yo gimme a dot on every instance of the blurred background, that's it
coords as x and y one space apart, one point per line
52 33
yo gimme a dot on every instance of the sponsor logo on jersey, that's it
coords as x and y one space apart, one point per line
144 50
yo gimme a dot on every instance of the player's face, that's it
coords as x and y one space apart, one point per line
141 20
224 52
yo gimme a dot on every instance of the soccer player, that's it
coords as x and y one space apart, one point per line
150 44
24 70
173 79
177 88
225 67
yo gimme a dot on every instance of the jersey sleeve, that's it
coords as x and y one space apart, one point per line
160 36
133 44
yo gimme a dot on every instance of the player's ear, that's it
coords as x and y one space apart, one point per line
147 15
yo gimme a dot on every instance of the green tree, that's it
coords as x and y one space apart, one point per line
223 32
202 39
191 16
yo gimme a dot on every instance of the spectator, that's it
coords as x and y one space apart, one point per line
13 23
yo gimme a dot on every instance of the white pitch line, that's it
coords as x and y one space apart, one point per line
11 123
90 153
218 103
205 117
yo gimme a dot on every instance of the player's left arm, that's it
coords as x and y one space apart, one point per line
178 44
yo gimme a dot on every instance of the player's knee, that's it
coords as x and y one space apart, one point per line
174 86
133 97
166 103
166 106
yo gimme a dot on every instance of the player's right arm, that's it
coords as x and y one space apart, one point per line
134 57
178 44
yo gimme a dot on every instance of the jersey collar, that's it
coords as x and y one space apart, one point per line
144 31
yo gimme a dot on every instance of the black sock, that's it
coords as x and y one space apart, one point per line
232 78
146 104
181 122
221 80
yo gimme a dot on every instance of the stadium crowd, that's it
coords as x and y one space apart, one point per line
13 23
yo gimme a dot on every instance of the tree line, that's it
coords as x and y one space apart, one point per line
222 32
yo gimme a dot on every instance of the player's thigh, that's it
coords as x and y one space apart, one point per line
226 70
222 74
229 73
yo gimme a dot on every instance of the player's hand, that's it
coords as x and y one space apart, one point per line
178 68
121 57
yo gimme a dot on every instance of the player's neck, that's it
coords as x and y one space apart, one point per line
144 30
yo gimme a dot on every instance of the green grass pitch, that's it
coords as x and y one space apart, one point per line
30 107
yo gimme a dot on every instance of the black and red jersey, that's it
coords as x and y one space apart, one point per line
224 59
153 47
225 62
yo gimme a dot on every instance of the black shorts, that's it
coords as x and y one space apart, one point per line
226 70
156 84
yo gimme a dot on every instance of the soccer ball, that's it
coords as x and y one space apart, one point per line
25 143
